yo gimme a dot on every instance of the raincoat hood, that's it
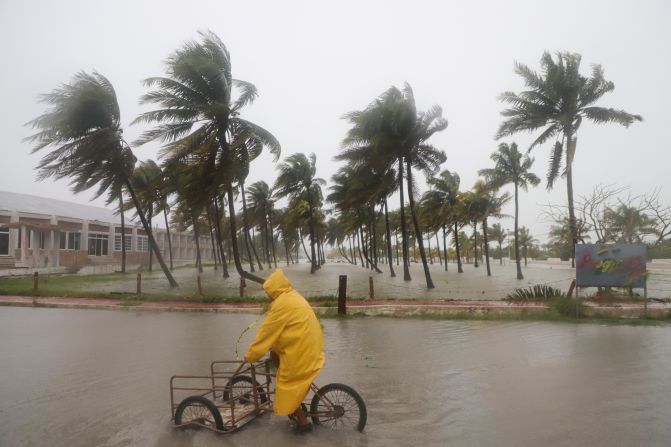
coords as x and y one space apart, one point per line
277 284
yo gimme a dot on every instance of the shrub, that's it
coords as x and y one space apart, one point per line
568 307
535 293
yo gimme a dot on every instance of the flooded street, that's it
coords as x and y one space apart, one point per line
101 378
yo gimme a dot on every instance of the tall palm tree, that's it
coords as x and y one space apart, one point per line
556 101
511 167
484 203
390 132
261 207
83 127
297 180
198 114
443 199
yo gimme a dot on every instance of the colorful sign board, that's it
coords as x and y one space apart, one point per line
610 265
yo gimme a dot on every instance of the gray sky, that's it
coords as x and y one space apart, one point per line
314 61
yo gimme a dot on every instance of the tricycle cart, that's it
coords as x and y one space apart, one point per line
235 392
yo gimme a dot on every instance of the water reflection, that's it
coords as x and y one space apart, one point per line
84 378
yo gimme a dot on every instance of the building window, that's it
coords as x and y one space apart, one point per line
117 242
98 244
142 243
40 239
69 240
4 242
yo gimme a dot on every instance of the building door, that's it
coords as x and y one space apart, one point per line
4 242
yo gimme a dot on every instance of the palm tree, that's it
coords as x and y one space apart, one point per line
526 240
499 235
198 114
484 203
627 224
443 199
261 207
390 132
557 100
83 125
511 167
297 180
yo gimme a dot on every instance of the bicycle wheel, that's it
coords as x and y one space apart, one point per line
241 389
338 407
199 410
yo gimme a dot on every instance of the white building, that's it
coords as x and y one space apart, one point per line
40 232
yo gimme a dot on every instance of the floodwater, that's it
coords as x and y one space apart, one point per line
473 284
101 378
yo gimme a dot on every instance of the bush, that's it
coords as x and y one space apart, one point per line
567 307
538 292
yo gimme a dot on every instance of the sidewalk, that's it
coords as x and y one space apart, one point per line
368 307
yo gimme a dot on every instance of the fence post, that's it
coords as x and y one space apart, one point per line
371 288
36 281
200 287
138 288
242 287
342 295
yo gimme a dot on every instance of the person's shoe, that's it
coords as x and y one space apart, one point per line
306 428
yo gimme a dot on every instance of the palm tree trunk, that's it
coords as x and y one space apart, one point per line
484 235
475 244
374 235
352 253
418 231
440 257
220 239
151 248
167 230
388 237
196 234
313 261
358 242
570 151
123 233
428 243
456 246
404 231
517 245
245 225
304 249
366 255
234 242
445 246
500 252
214 248
147 230
252 242
265 230
286 245
272 238
396 239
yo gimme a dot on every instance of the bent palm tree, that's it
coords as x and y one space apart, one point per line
297 180
511 167
557 100
198 115
83 126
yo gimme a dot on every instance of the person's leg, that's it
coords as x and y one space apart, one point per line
302 423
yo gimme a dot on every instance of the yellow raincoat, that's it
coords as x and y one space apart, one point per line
292 330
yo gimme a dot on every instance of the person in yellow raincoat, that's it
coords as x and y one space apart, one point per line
292 331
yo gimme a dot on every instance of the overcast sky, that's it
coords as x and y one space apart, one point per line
314 61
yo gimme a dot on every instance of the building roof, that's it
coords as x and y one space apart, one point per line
13 201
